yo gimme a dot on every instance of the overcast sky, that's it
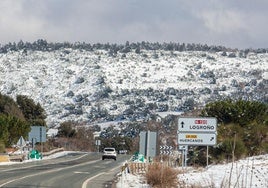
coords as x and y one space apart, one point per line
231 23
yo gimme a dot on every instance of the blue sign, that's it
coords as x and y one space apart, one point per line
37 134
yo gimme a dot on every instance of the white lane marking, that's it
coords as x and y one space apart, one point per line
46 172
84 185
77 172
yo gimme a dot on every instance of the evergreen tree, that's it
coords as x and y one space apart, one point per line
241 111
66 130
12 128
9 107
4 133
33 113
248 120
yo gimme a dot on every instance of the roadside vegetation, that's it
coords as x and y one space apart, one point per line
242 129
17 117
160 176
75 136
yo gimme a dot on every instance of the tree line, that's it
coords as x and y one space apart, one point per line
43 45
17 117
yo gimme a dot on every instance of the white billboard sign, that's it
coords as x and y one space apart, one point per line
198 124
197 139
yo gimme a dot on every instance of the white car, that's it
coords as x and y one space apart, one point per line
109 153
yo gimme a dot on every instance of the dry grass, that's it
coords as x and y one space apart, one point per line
160 176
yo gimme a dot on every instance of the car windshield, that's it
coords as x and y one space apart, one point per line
109 149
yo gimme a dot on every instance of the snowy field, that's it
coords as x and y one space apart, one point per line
247 173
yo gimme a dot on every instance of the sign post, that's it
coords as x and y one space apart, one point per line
98 143
200 125
197 131
197 139
148 144
37 134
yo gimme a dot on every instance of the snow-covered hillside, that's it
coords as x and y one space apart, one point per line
95 86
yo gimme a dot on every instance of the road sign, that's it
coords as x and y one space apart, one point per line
197 139
21 142
166 147
148 143
197 124
37 134
183 147
166 150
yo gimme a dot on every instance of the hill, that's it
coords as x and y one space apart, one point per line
107 84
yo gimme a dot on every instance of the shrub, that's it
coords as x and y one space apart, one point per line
247 120
230 141
161 176
2 146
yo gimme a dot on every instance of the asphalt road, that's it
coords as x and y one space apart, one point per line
85 170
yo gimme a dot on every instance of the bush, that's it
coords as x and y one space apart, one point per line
230 141
161 176
247 120
228 146
2 146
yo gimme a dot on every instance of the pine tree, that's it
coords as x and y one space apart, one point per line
34 113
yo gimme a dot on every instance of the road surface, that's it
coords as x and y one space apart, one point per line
73 171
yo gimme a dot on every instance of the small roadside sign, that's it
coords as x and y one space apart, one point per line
21 142
198 124
166 150
197 139
183 147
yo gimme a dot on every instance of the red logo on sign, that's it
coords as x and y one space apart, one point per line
200 121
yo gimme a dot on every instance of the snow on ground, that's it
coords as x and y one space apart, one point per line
55 155
249 172
131 181
71 84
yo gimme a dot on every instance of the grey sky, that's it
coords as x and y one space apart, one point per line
231 23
